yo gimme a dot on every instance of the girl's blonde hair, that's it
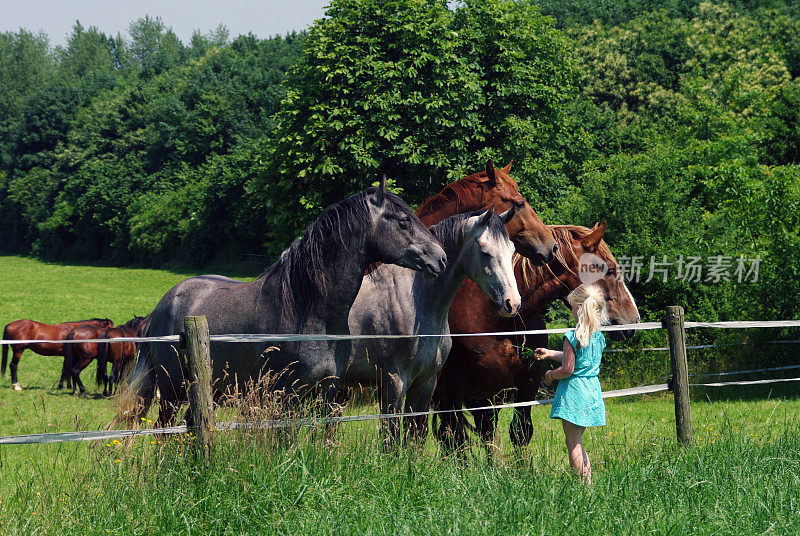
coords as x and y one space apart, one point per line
592 312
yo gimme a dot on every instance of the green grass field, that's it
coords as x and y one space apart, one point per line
741 475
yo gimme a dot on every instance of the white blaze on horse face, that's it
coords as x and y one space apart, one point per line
497 280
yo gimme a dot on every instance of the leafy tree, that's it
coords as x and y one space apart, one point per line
528 81
87 52
410 89
26 64
154 47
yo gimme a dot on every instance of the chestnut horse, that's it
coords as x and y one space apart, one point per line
78 356
121 354
32 330
482 369
494 188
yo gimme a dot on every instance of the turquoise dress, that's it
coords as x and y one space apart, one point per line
579 398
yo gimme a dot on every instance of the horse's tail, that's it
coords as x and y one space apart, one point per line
138 390
5 352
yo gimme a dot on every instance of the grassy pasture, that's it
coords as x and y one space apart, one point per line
741 476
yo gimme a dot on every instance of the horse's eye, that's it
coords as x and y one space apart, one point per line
519 205
612 272
404 224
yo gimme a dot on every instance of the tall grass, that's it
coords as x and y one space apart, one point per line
741 476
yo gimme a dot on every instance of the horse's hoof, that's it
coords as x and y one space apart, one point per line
16 386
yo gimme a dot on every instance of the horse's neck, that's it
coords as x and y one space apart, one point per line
345 274
443 209
344 271
438 294
541 292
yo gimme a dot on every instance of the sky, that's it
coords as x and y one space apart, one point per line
264 18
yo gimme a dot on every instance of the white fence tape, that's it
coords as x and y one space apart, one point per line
771 369
751 382
294 337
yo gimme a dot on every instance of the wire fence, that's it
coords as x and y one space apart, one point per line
62 437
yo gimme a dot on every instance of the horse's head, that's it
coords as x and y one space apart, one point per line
587 259
532 238
134 323
487 258
397 236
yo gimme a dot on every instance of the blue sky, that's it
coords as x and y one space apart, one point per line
261 17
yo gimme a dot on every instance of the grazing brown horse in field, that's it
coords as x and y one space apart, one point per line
494 188
78 356
32 330
483 369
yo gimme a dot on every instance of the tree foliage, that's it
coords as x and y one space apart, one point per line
676 122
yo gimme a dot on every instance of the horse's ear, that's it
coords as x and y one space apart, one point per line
380 193
509 214
508 167
486 218
490 173
592 240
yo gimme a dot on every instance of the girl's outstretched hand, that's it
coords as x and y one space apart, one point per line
542 353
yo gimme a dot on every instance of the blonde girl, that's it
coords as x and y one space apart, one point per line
578 400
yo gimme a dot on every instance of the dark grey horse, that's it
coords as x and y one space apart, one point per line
395 300
309 290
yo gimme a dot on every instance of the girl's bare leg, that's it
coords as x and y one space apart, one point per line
578 459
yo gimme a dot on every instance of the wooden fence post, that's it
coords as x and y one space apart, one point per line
200 399
673 323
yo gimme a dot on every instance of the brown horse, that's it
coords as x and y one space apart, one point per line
121 354
482 369
78 356
32 330
494 188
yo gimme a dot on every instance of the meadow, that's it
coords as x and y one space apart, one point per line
740 476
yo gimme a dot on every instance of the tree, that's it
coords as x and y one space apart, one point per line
26 64
154 47
409 89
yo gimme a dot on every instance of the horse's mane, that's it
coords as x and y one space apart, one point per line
450 231
461 189
450 234
136 321
302 269
533 275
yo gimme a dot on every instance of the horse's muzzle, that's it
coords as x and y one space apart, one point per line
429 263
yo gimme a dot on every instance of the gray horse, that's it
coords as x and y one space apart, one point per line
309 290
395 300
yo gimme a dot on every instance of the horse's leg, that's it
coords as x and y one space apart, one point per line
521 430
76 375
64 375
17 354
485 425
418 398
391 402
451 431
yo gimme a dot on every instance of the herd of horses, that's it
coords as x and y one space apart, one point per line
475 258
77 356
